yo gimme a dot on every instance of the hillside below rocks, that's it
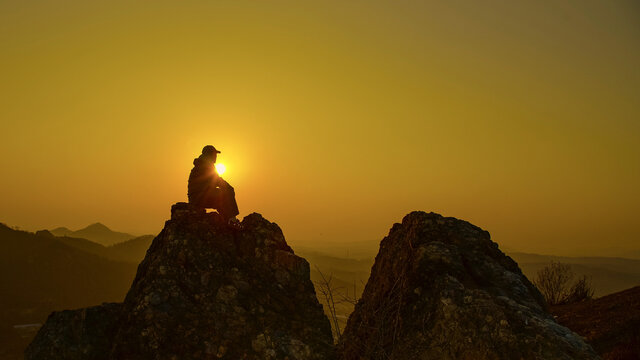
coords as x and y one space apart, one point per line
203 291
441 289
610 323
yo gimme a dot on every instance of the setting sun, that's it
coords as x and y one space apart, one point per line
220 168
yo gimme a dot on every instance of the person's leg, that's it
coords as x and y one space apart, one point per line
211 198
233 205
228 207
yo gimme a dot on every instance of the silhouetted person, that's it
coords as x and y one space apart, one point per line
207 189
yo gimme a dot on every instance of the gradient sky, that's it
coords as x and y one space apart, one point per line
335 118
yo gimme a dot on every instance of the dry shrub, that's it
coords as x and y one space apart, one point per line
580 291
554 282
328 292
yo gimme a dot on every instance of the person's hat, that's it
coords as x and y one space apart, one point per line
209 149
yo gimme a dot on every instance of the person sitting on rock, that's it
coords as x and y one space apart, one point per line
208 190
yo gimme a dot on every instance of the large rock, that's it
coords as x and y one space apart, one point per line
441 289
205 291
76 334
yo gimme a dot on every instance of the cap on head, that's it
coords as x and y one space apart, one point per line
209 149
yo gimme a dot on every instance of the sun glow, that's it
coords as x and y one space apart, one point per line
220 168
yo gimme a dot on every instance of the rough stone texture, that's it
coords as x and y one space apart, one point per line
76 334
441 289
205 291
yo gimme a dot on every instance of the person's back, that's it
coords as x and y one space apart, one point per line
202 181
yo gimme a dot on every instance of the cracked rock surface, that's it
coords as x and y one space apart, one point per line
441 289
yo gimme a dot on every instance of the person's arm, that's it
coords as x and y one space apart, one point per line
222 182
217 180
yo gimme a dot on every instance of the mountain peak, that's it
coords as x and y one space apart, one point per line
96 232
204 290
61 231
97 227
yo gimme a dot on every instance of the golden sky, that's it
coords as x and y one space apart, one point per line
335 118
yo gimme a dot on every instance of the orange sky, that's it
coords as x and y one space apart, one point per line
335 118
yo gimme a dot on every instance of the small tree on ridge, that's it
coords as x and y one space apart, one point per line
553 281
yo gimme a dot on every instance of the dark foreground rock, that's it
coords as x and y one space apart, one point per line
77 334
441 289
203 291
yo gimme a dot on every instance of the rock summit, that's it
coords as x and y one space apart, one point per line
203 291
441 289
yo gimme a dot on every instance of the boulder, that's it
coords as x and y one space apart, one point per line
441 289
76 334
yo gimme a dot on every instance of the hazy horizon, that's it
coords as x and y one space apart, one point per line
367 249
334 119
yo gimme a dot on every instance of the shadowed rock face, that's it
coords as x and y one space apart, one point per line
441 289
76 334
204 291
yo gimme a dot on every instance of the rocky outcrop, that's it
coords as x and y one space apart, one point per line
204 291
76 334
441 289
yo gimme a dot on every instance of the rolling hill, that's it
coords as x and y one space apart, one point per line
97 233
40 273
131 251
611 323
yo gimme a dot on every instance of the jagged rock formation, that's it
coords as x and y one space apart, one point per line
203 291
441 289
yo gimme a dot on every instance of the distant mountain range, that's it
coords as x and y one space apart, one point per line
132 250
41 273
97 233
